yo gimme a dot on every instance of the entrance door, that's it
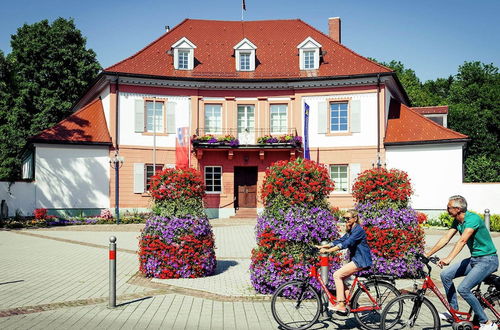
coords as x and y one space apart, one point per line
246 124
245 186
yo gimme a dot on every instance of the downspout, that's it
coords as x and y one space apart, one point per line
117 90
117 150
379 164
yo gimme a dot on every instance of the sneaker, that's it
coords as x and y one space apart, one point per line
488 326
446 316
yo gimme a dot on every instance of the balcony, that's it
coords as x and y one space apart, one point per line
249 138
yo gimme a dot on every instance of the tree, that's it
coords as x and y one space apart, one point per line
51 69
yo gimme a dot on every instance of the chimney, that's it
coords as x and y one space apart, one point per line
334 30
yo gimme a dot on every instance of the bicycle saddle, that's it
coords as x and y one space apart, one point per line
493 280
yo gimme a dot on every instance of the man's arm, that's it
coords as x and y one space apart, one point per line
468 232
442 242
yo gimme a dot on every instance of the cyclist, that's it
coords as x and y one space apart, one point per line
354 240
483 260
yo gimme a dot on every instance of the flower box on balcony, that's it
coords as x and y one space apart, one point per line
212 141
283 140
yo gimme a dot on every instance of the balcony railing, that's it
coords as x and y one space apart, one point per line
246 137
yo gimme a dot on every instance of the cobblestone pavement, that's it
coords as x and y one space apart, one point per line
58 279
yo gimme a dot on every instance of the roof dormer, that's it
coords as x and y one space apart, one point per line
245 55
309 54
183 54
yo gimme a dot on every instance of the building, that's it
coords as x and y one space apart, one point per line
247 80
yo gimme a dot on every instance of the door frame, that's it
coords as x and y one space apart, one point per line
238 171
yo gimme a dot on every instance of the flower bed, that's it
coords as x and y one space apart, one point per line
393 229
296 216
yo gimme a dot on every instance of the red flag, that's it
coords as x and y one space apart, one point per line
182 148
243 5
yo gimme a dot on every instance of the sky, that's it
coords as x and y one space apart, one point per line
431 37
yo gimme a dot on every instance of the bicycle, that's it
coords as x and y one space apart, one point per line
298 305
415 311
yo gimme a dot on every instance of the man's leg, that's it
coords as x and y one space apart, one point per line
481 268
458 269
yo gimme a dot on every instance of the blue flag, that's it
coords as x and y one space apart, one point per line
306 131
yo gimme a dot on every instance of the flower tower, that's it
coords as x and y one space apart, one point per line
177 242
296 216
392 227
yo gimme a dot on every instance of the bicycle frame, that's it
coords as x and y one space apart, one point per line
313 273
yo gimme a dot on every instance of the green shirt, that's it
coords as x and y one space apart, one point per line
480 243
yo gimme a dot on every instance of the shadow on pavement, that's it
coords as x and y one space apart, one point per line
223 265
12 282
133 301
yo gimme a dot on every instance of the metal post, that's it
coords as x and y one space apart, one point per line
324 265
117 192
112 272
487 219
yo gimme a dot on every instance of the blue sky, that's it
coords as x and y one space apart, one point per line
431 37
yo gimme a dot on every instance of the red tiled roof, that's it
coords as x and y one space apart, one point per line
87 125
277 53
405 125
439 109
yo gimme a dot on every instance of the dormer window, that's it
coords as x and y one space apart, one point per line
245 55
183 54
309 51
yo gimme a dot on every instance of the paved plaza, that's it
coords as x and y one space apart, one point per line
57 278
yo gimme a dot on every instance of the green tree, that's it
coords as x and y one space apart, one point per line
51 69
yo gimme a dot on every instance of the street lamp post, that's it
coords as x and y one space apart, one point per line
116 162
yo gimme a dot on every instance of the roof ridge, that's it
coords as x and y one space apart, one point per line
434 123
347 48
431 106
148 45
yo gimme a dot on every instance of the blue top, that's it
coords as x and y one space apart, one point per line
358 247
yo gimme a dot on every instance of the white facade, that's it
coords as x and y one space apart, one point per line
436 174
367 135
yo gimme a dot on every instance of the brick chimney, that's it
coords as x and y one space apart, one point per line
334 30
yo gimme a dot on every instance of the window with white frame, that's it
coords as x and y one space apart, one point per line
279 118
28 171
213 118
151 170
154 116
309 60
183 52
339 117
309 54
213 179
183 60
244 53
340 175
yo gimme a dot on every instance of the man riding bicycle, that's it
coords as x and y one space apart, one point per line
483 260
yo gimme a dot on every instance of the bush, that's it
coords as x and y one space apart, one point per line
178 241
379 185
495 222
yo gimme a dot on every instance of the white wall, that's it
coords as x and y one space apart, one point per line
436 174
127 128
18 196
368 132
106 105
71 176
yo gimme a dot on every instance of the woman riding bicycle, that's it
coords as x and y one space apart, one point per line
360 257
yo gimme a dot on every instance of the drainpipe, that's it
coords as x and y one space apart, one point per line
117 150
379 164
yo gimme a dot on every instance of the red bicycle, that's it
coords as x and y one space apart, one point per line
415 311
298 305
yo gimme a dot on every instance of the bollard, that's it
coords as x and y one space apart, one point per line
487 219
112 272
324 264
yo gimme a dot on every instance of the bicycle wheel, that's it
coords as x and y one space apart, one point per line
296 305
409 312
369 318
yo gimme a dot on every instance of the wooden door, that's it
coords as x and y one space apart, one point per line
245 179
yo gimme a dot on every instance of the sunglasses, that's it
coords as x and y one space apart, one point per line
348 218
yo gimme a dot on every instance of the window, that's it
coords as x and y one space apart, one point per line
279 118
339 117
309 60
213 179
338 174
183 51
150 171
154 116
183 60
28 172
245 61
213 118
